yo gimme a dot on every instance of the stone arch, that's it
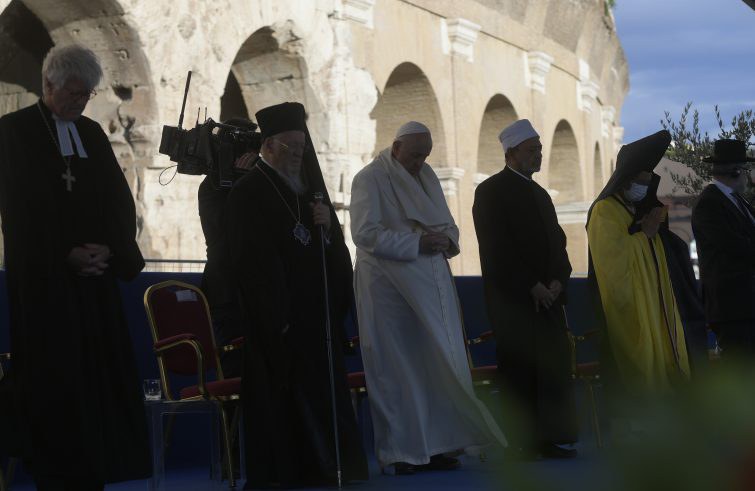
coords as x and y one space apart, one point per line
24 41
232 103
564 175
125 105
498 114
408 95
269 69
597 171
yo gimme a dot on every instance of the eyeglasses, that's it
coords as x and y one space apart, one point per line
292 148
78 96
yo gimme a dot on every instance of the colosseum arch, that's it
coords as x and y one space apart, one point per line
597 164
232 104
498 114
408 95
125 105
564 174
24 41
268 69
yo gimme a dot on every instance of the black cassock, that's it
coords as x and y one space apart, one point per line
521 243
75 405
286 387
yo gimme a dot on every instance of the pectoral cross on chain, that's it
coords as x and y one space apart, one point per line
68 178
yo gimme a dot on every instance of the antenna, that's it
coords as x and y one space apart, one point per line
199 111
183 106
205 114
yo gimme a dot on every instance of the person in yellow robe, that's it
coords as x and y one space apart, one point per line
629 275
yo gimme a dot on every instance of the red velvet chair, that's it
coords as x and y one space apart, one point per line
589 374
485 374
357 381
586 372
184 342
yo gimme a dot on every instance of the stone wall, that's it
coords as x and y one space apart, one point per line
362 68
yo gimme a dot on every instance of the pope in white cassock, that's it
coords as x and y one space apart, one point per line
418 376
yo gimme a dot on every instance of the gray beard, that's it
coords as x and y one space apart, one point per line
295 183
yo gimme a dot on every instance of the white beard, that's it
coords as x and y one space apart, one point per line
295 183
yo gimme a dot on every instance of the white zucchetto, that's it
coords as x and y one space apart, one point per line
516 133
412 128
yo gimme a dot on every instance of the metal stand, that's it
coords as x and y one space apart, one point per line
328 341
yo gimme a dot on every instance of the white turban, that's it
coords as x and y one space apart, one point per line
411 128
516 133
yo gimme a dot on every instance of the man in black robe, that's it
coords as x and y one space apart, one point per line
724 226
525 271
276 256
69 228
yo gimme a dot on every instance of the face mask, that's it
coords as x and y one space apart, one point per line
636 192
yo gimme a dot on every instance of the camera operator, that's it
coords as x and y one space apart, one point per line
216 279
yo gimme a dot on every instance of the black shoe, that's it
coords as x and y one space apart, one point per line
404 469
553 451
440 463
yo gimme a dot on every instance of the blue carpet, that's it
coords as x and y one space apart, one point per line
584 473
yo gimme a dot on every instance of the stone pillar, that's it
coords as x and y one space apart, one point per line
587 90
477 178
449 179
359 11
458 38
572 218
608 113
537 65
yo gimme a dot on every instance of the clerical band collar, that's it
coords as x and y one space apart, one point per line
518 173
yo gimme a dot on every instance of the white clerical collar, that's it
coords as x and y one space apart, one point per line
723 187
65 130
519 173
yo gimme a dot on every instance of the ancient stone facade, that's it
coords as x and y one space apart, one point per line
361 67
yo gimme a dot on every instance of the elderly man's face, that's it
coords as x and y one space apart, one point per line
286 150
529 155
412 150
68 101
739 183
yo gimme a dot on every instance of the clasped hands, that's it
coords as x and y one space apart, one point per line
651 222
545 296
434 243
89 259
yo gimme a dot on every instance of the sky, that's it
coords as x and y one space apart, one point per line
701 51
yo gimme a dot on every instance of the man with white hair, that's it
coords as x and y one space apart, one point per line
525 270
69 228
421 395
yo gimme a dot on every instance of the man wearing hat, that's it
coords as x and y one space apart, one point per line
421 394
525 270
273 233
724 226
630 280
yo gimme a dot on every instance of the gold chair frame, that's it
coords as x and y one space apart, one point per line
222 401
